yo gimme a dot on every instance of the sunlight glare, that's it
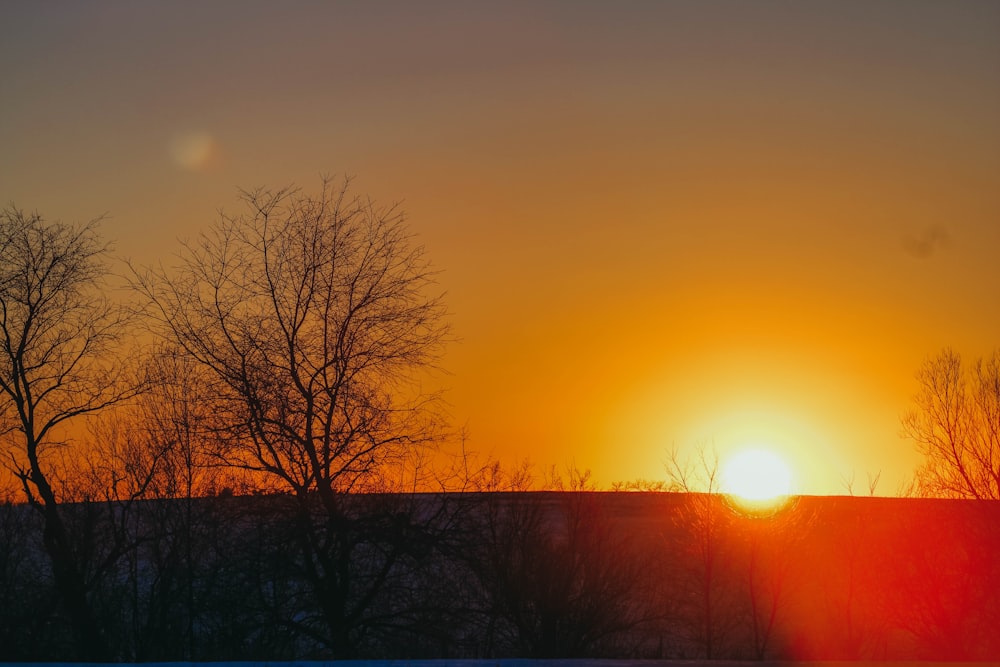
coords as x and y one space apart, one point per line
756 475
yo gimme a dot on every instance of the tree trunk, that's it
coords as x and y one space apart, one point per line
69 582
72 590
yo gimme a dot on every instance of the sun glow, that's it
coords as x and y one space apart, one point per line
756 475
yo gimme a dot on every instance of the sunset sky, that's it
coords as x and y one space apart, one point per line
658 223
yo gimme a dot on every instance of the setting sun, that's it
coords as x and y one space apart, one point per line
756 475
487 330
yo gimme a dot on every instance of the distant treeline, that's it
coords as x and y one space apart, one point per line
519 574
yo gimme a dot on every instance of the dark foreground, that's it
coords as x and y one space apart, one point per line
496 576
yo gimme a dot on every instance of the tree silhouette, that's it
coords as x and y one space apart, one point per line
313 319
705 524
771 542
57 335
956 426
154 447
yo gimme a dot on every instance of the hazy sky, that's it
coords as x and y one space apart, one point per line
663 223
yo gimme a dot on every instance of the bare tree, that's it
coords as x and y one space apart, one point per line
956 426
705 520
313 319
58 333
556 578
313 316
772 545
154 447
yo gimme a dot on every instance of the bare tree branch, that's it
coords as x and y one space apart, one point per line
955 425
59 335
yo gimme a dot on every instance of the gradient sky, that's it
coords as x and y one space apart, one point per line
659 224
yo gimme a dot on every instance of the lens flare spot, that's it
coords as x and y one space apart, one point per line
194 151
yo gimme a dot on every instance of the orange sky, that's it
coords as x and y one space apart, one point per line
659 224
